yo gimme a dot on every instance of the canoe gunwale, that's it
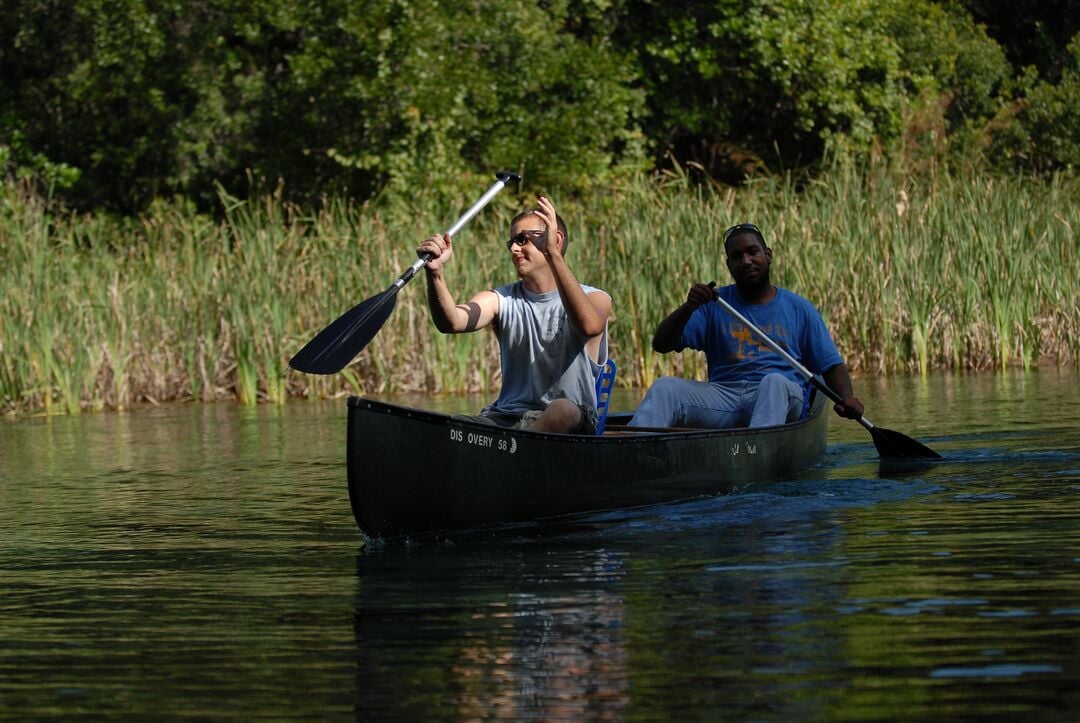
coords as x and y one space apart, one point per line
621 433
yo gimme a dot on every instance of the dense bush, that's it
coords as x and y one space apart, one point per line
115 103
733 81
152 97
1044 135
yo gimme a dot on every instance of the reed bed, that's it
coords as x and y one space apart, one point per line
912 273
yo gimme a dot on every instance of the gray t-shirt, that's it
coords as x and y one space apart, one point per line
542 357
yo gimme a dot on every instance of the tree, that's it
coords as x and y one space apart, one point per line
1033 33
155 97
1042 132
779 80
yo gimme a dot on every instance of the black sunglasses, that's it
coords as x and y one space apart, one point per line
743 227
523 238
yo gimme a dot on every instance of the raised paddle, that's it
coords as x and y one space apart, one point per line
336 345
890 444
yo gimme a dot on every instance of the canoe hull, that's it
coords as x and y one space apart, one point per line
413 472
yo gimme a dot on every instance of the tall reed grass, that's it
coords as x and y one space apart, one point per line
911 273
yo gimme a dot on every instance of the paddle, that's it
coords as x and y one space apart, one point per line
335 346
889 444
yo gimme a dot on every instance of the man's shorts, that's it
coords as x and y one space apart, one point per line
526 420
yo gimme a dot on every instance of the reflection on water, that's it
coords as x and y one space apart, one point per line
202 561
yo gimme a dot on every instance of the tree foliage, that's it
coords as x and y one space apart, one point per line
112 103
147 97
1033 33
1044 135
738 79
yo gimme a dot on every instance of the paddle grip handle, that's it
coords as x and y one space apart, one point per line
501 179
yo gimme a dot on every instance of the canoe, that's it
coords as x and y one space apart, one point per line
418 473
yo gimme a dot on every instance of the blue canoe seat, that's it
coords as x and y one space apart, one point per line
605 383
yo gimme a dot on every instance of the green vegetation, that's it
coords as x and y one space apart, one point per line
913 272
116 104
189 191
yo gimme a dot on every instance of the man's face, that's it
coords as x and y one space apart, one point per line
522 246
748 260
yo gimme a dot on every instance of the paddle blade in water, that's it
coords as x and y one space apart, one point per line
335 346
895 445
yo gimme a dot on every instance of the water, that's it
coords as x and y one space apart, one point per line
202 561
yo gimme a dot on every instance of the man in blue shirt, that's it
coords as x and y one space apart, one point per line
749 383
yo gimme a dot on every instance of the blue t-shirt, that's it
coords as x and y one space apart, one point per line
735 353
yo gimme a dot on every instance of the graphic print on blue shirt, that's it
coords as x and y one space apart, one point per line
733 351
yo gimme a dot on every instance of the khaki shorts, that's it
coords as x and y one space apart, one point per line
526 420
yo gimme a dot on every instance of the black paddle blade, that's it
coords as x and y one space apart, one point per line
894 445
335 346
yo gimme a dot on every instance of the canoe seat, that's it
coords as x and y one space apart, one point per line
605 382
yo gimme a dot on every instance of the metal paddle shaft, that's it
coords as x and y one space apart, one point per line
887 442
335 346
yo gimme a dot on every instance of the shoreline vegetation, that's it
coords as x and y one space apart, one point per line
913 273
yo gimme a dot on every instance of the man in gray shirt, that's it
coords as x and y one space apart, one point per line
552 330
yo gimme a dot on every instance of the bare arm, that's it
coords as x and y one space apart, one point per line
669 331
588 313
449 316
839 380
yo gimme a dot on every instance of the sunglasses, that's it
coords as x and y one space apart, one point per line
523 238
742 228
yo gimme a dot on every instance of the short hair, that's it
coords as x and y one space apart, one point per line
559 223
741 228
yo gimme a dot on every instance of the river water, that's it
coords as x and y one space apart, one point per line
202 561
